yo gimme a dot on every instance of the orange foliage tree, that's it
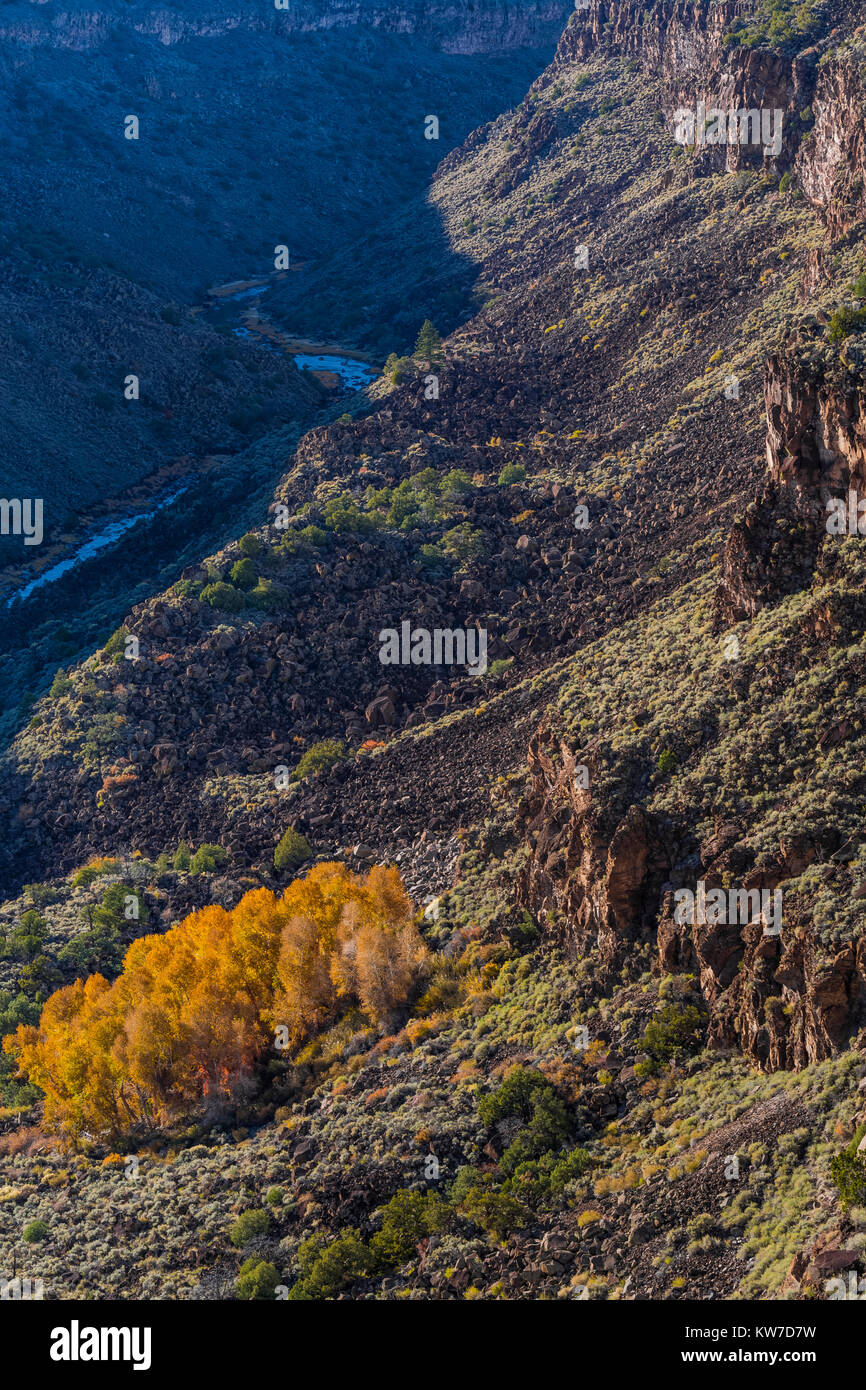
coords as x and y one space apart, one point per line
195 1009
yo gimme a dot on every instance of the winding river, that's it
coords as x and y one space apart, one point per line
339 369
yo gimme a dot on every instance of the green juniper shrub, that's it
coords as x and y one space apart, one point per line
328 1267
250 545
292 851
16 1009
100 946
498 668
463 543
34 1231
269 596
848 1171
675 1031
528 1096
223 597
512 473
843 322
187 588
60 684
457 483
39 977
479 1200
116 644
117 907
395 367
319 757
29 937
86 875
257 1279
207 859
251 1223
243 573
430 557
313 536
343 515
544 1179
407 1219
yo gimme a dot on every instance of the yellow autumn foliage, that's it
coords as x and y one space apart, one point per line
195 1010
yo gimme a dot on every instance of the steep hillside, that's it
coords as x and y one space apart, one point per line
620 470
129 266
111 234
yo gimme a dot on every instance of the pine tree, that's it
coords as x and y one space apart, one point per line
429 344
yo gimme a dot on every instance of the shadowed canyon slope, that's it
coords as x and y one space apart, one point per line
618 467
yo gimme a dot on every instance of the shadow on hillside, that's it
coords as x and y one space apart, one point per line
376 293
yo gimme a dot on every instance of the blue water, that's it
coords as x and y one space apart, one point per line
352 374
258 338
243 294
107 536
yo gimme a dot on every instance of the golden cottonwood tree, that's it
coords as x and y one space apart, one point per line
194 1010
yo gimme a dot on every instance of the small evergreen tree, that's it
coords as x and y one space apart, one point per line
207 859
251 1223
429 345
243 573
250 545
292 851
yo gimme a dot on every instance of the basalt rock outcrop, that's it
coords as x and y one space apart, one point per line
597 882
686 44
594 874
831 162
816 452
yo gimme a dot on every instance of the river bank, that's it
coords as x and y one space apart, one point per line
339 370
336 367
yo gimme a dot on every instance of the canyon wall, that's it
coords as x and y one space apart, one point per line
685 44
493 25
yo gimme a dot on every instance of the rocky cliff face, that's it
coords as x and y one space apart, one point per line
679 36
595 872
600 881
685 42
816 451
831 163
456 28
